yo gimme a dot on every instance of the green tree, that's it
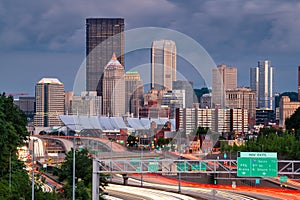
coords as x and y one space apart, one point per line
14 180
200 133
293 122
132 141
83 172
200 92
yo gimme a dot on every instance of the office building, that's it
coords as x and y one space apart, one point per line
286 109
68 102
205 118
243 98
223 78
134 93
153 96
205 101
50 102
298 83
217 120
187 86
163 64
174 99
104 36
265 117
113 87
261 81
27 105
87 104
239 121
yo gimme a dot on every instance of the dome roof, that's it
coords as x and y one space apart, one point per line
113 63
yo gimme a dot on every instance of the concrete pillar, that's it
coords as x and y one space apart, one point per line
95 180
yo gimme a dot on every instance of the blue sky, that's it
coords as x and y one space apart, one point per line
47 38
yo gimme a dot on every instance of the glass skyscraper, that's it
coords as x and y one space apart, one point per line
261 81
104 36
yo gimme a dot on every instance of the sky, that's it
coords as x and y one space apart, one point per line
47 38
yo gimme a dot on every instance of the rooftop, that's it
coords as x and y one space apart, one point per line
49 81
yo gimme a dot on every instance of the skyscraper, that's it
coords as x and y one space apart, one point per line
242 98
163 64
190 97
113 88
134 92
27 105
261 81
50 102
88 104
104 36
223 78
298 83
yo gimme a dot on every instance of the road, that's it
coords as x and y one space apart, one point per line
129 192
195 192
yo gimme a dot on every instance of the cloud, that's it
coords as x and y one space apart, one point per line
233 31
60 25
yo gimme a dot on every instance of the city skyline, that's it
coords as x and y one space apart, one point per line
48 40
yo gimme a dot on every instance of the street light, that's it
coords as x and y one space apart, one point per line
32 180
74 165
110 159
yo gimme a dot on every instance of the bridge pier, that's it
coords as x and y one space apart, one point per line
95 180
125 179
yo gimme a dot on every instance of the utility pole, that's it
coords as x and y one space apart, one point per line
9 172
32 180
74 165
110 159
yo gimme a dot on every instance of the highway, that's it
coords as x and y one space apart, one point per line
129 192
189 192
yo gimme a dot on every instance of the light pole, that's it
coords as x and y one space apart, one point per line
110 159
32 180
74 165
142 157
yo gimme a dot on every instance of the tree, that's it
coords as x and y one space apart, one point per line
14 180
200 92
132 141
293 122
201 132
83 172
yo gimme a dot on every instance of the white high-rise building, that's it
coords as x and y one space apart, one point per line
163 64
261 81
50 102
113 89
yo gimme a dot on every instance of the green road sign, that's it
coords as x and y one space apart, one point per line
283 179
153 167
135 161
138 169
181 166
199 167
256 167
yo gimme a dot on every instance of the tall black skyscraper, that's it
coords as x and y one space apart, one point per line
104 36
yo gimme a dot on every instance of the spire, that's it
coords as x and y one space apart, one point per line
113 62
114 57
